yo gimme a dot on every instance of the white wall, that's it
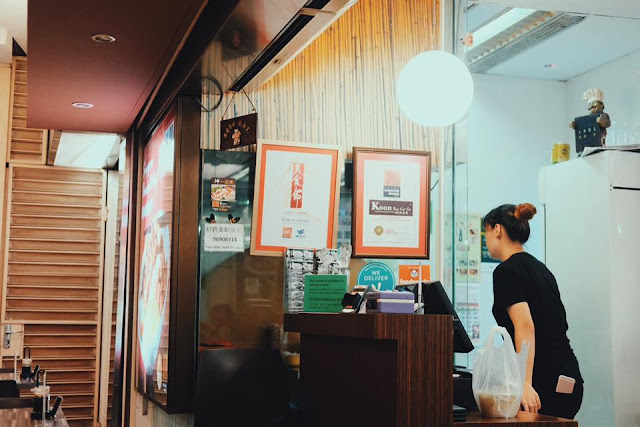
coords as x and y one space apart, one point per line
513 123
620 81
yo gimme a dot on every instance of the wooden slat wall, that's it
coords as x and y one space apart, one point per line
5 111
25 145
54 141
341 88
53 255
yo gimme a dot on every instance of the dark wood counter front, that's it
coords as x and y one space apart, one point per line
523 419
375 370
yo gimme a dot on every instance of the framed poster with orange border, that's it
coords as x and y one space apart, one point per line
296 200
390 203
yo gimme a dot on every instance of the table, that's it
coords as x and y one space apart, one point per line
523 419
27 385
21 417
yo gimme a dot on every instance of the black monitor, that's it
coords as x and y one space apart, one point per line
436 301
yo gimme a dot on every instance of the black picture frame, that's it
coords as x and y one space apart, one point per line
184 250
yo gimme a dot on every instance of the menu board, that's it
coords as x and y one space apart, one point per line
155 262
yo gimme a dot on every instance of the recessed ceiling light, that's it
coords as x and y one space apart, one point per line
83 105
549 65
103 38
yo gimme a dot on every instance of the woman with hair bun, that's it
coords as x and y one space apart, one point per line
527 303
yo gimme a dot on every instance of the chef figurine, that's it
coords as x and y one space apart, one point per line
595 105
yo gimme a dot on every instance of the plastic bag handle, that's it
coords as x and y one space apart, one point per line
497 330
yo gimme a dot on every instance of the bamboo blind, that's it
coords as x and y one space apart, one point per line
341 88
53 277
25 145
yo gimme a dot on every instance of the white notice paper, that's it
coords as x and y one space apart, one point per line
391 213
224 238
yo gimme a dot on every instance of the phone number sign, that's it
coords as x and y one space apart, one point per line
224 237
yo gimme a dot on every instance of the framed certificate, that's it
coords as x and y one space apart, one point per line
390 203
296 199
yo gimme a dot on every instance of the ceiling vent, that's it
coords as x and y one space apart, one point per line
530 29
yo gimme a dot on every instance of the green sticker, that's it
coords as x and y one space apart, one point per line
323 293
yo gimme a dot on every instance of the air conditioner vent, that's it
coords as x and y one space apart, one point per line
483 59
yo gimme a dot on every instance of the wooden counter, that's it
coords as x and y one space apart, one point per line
523 419
384 370
375 370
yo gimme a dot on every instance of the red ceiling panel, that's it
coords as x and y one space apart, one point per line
66 66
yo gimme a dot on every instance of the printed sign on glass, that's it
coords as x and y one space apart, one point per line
223 194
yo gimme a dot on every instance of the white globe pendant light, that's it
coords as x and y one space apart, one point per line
435 88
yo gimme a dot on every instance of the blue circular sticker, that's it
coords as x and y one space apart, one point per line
378 275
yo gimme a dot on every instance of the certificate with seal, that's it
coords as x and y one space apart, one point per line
390 203
297 197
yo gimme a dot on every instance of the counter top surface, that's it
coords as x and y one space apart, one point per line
521 420
372 326
21 417
21 385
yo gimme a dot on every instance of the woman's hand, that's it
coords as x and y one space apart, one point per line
530 399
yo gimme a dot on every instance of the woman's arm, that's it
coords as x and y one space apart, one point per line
525 331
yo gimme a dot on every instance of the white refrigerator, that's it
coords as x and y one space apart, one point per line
592 246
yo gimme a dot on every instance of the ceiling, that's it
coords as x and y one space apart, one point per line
66 66
608 33
87 150
618 8
13 25
593 42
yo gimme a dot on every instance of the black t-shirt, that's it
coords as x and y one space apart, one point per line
522 278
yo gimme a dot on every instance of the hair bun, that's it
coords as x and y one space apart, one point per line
525 211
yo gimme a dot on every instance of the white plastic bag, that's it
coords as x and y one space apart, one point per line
498 376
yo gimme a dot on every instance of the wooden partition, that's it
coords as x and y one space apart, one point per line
110 291
26 145
52 284
54 142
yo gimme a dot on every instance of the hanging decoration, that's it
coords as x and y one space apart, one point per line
239 131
